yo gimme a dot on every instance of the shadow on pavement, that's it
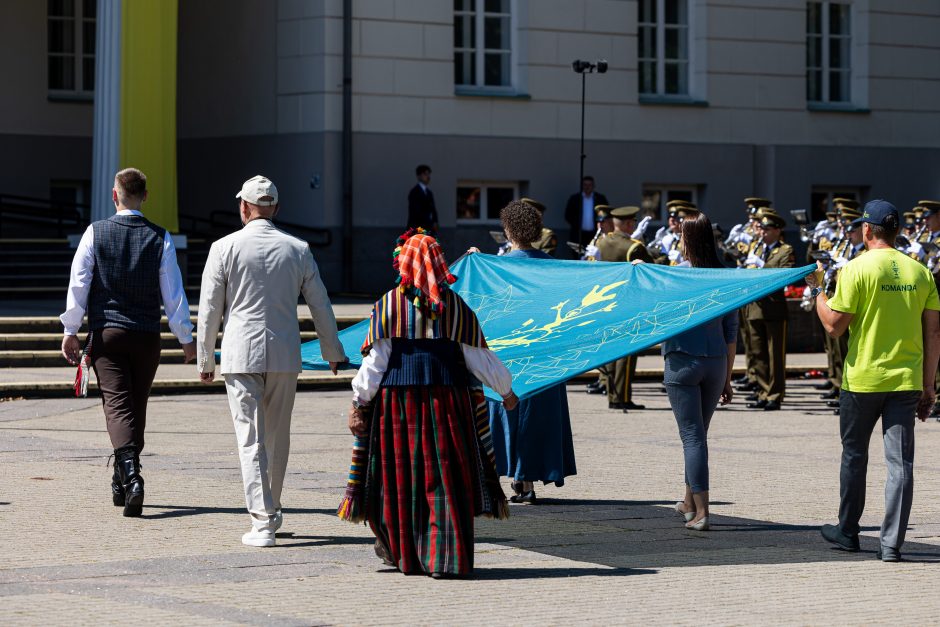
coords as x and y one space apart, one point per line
286 540
509 574
176 511
650 535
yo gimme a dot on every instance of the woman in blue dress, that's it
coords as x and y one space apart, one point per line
533 441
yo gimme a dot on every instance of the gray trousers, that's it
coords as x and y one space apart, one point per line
694 385
858 413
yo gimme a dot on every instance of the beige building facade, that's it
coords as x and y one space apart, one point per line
712 100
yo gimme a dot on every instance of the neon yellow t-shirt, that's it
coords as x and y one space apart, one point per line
887 292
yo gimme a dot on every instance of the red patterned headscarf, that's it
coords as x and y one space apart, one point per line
422 268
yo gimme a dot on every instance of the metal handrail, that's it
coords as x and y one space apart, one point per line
28 209
68 218
297 230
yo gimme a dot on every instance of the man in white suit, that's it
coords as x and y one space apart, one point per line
253 277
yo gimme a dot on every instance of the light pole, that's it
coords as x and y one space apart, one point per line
584 68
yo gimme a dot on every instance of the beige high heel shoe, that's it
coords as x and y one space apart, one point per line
687 515
701 525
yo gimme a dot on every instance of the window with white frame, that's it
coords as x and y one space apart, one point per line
71 47
828 52
483 44
481 201
655 197
663 47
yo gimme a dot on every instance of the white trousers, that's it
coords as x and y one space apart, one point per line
261 407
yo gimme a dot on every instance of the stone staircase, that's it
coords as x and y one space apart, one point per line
34 267
35 341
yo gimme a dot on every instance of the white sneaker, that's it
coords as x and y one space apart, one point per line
259 537
278 520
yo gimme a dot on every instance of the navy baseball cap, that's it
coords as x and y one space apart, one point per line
876 211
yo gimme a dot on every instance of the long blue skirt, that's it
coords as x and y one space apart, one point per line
533 442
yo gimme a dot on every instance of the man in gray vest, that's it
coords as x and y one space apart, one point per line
123 269
253 277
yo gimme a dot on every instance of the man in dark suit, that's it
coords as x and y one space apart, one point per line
579 212
421 210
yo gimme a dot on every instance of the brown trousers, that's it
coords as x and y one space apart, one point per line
125 363
618 379
769 338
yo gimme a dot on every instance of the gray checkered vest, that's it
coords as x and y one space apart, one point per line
125 286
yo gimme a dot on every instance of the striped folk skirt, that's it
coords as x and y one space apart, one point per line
428 475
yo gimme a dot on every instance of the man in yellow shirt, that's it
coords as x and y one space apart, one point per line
889 304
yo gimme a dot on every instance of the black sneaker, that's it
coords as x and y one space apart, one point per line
832 533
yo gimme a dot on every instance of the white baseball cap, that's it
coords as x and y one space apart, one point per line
258 187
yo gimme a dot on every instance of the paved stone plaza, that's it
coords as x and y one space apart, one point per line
604 549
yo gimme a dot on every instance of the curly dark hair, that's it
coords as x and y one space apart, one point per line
522 222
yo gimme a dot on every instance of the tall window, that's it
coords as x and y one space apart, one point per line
71 47
483 42
663 47
482 201
655 198
828 52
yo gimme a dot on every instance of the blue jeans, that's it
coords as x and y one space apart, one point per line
694 385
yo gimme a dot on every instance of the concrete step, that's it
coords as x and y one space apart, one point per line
52 341
52 358
53 279
51 324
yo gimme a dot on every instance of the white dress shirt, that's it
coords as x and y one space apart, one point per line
587 212
171 286
481 362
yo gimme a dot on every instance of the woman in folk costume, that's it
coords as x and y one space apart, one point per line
532 442
420 417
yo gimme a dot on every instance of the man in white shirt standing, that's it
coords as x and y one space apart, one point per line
123 269
253 277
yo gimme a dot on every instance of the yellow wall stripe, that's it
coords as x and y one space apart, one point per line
148 102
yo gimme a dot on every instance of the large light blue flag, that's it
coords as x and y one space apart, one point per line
551 320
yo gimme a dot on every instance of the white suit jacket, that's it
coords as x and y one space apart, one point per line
253 278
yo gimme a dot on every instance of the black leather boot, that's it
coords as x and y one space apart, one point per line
117 488
127 462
